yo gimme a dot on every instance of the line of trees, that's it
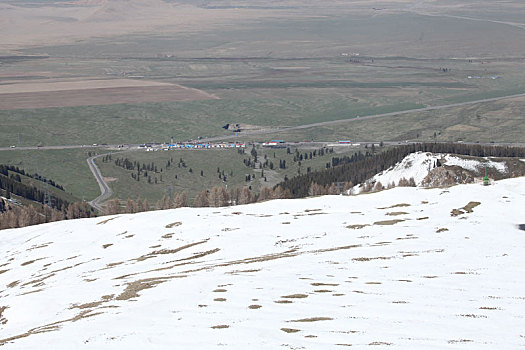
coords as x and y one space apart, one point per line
5 169
215 197
219 197
15 216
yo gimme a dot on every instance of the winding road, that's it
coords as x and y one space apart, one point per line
105 191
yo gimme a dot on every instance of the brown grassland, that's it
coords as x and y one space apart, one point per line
93 92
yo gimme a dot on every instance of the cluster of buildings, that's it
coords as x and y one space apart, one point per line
191 145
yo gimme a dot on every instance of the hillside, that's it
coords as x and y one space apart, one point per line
442 169
29 199
403 268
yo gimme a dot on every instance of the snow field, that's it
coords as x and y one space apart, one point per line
281 274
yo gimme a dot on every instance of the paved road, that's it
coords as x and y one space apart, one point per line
368 117
277 130
27 148
105 191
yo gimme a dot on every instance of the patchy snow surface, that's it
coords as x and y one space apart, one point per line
474 165
417 165
392 269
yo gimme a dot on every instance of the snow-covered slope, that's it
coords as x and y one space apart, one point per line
407 268
418 165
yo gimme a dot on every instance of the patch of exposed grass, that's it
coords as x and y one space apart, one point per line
472 316
3 320
13 284
369 259
295 296
396 213
357 226
469 208
456 341
312 319
178 223
106 221
400 205
290 330
133 288
388 222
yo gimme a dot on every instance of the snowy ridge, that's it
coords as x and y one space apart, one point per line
474 165
417 166
407 268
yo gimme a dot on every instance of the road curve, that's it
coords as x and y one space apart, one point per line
105 191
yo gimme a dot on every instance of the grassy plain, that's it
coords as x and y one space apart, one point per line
320 68
497 121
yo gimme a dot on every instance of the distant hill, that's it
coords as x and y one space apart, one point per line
28 199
